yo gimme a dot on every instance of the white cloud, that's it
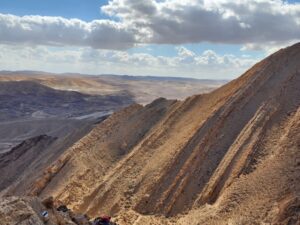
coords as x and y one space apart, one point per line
208 64
249 22
217 21
38 30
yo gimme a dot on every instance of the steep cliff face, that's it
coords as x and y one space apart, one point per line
231 156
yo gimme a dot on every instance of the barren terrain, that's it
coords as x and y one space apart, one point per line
227 157
142 89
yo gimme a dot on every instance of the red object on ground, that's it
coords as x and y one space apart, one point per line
105 218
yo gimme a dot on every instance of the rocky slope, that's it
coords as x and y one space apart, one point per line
228 157
33 211
15 210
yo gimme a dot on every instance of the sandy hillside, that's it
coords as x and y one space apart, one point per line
228 157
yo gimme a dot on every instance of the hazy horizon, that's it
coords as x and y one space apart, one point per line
40 72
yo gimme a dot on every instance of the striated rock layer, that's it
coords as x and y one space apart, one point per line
228 157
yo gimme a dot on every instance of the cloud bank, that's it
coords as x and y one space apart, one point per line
207 64
134 22
217 21
39 30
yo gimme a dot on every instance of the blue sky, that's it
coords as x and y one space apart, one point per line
142 38
84 9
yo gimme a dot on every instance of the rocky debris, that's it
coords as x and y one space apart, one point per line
16 210
32 211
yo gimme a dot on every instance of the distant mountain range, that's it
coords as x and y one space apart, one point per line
27 99
143 89
124 76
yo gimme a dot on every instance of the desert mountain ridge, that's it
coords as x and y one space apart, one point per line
230 156
143 89
31 73
35 103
